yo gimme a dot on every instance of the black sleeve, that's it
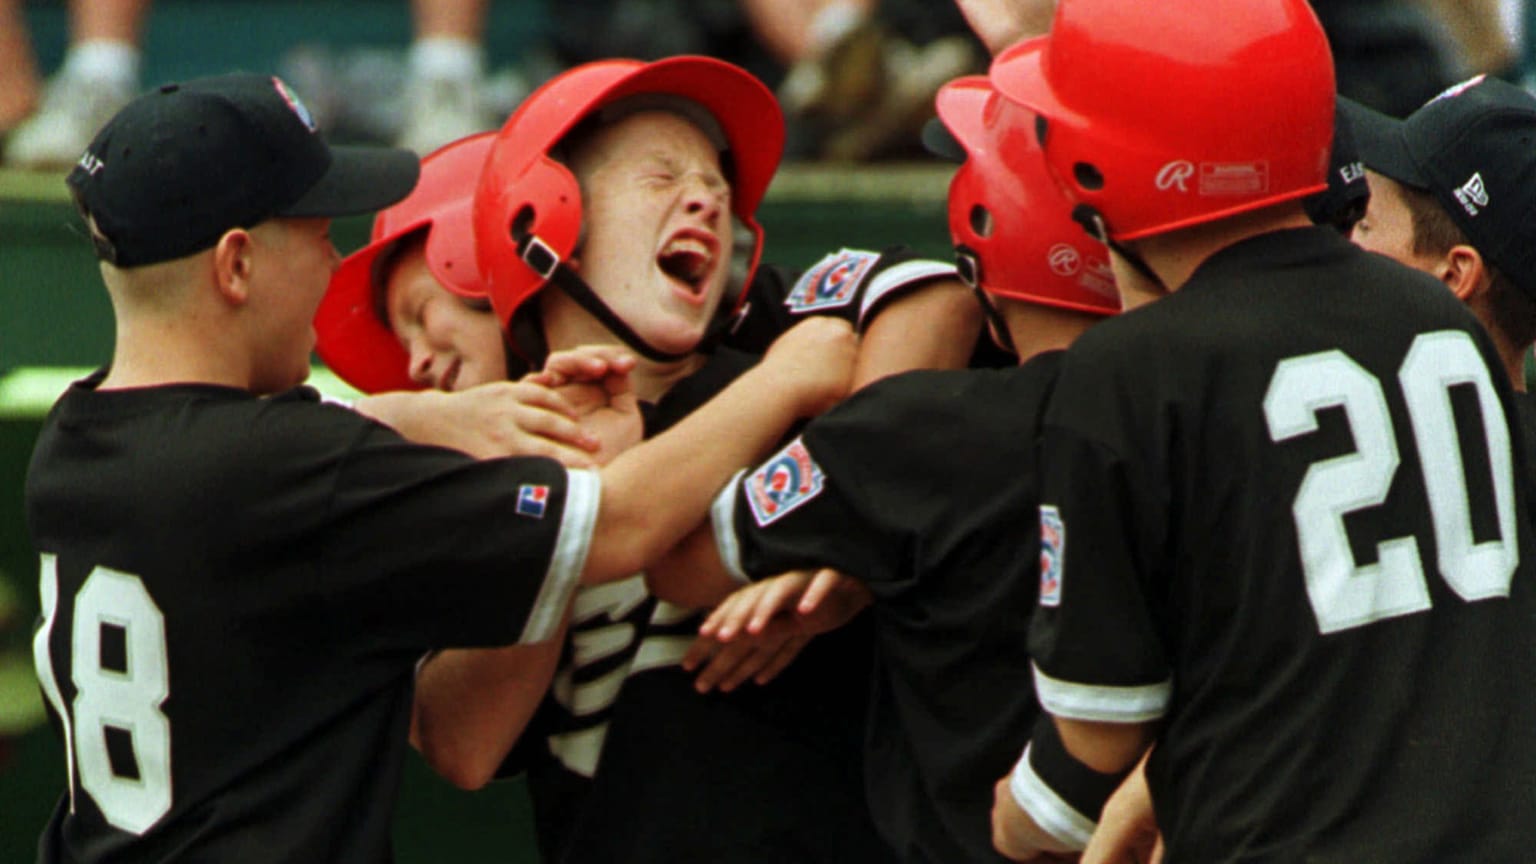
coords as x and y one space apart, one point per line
862 488
851 284
439 550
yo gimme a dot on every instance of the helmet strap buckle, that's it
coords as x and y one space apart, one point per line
539 256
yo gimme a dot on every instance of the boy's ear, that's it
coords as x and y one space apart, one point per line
1464 271
234 264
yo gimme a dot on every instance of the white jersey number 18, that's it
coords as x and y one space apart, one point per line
126 701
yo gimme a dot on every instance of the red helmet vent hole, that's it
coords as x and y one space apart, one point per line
981 220
1088 176
522 223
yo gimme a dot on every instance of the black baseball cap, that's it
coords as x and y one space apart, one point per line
183 163
1474 148
1343 203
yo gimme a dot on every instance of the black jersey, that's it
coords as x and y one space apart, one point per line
619 630
235 592
1525 412
616 630
1280 514
768 773
919 485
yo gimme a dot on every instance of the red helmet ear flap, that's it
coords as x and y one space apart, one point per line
1009 220
537 211
353 335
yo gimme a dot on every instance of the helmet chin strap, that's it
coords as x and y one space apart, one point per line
1093 222
968 265
538 255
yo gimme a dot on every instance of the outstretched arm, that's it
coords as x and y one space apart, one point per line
932 327
530 417
473 704
654 493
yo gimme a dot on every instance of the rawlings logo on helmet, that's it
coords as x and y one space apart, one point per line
1175 174
1064 259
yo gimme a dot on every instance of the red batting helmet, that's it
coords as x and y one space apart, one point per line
1160 118
1011 224
528 209
352 338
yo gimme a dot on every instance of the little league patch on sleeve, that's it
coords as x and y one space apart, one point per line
532 499
832 282
783 483
1053 545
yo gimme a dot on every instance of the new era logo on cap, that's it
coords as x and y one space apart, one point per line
1472 195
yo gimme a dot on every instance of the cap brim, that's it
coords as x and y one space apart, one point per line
1381 144
360 180
938 140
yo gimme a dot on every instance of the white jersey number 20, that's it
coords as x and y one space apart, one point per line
1343 593
126 701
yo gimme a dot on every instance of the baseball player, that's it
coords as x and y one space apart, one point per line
589 121
1443 183
888 487
1286 539
236 580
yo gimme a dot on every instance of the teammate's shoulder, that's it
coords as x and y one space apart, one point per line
300 420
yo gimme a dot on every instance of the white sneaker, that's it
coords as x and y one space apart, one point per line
440 110
73 109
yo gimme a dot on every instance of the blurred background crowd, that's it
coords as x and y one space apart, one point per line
856 77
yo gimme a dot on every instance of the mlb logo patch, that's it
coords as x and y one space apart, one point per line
832 282
1053 545
531 500
783 483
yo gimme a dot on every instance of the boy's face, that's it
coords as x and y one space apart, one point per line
452 345
1387 228
657 217
294 263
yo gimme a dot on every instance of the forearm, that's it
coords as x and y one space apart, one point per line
654 493
1052 798
935 327
692 574
1109 748
473 704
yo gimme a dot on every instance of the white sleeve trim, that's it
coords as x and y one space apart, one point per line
722 517
1049 810
1102 702
898 276
583 494
423 661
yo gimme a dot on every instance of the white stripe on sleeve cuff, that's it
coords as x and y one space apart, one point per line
1102 702
1052 813
722 517
583 494
898 276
